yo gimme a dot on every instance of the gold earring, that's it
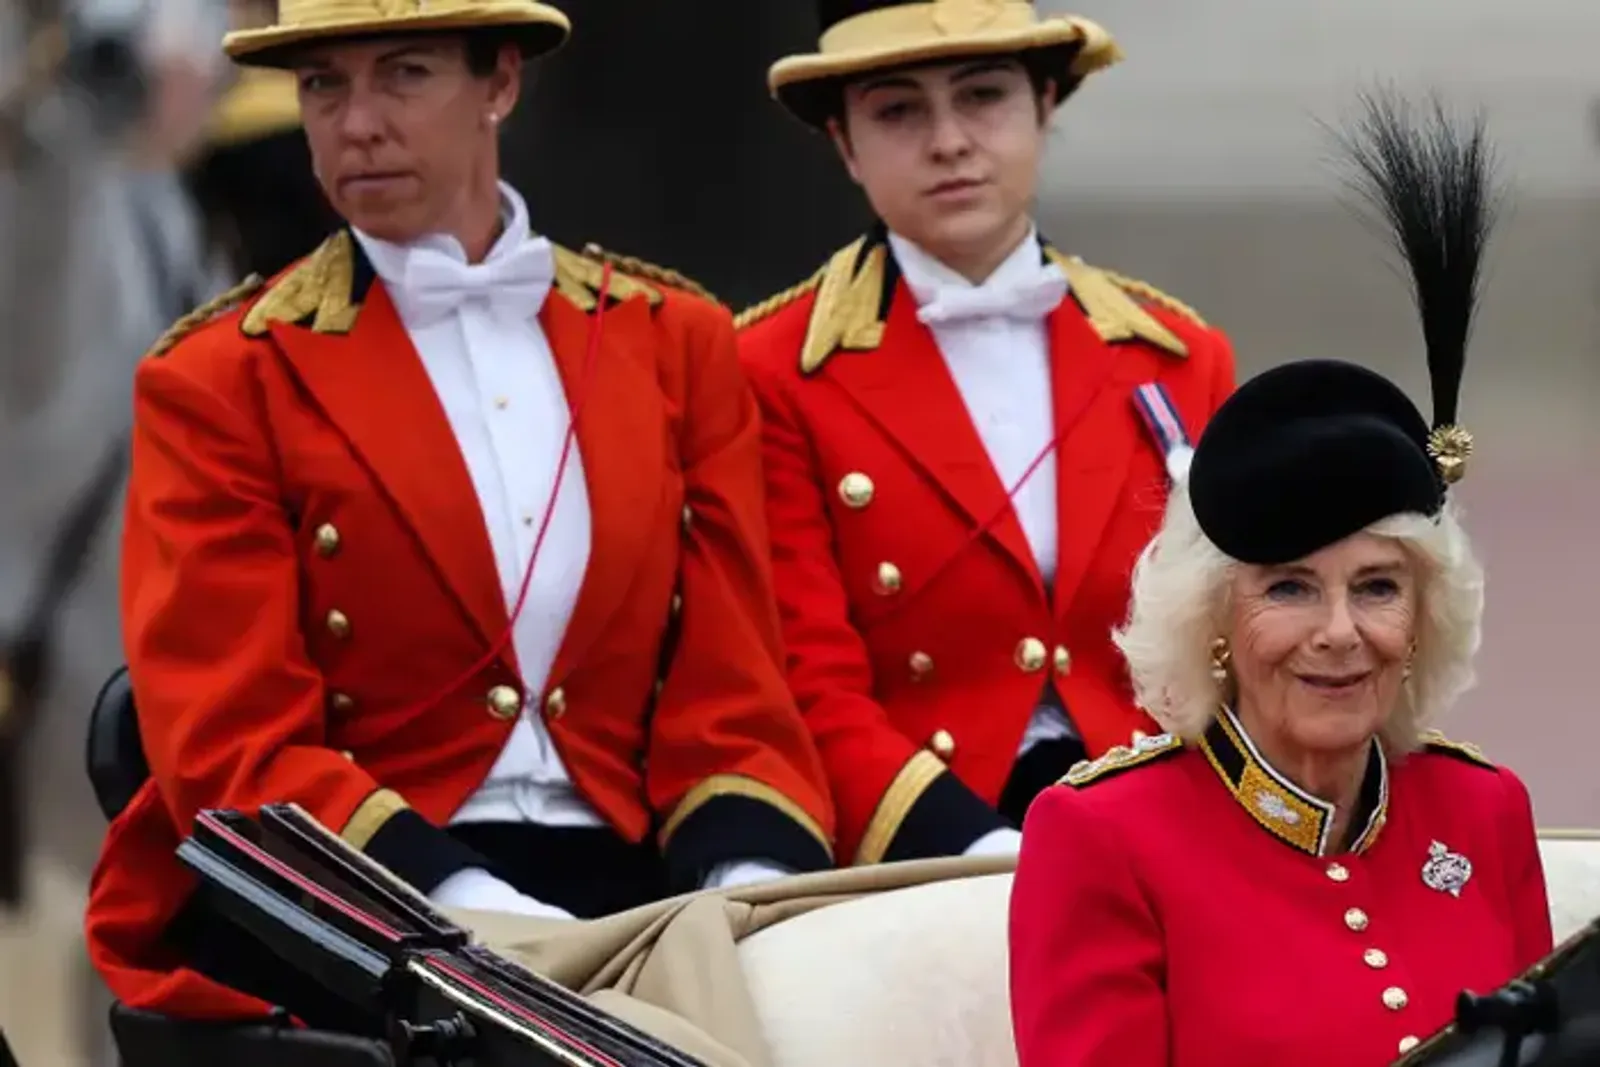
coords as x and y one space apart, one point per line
1221 656
1411 658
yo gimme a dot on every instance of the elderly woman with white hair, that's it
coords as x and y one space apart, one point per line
1300 871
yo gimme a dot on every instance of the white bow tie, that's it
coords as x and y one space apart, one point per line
512 286
1028 300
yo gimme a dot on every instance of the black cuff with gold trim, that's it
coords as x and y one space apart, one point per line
419 853
733 817
944 821
737 826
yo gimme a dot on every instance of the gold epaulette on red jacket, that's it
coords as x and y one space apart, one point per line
320 291
1148 292
776 302
1121 758
653 272
850 308
205 313
1434 741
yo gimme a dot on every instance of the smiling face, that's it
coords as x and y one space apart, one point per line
1319 647
949 155
403 131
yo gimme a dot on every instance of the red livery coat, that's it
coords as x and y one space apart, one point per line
305 564
918 648
1171 909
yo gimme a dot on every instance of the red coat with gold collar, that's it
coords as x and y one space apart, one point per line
917 648
305 565
1180 906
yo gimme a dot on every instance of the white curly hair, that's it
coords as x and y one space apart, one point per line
1179 607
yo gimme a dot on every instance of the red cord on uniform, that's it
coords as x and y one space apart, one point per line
983 528
575 409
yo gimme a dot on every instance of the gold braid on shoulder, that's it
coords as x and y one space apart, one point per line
758 311
205 313
654 272
1149 292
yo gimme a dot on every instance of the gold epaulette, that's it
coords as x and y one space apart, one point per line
1146 291
578 278
319 287
1434 741
1120 758
643 268
776 302
1114 311
205 313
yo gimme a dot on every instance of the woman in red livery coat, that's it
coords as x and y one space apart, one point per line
967 434
449 535
1308 875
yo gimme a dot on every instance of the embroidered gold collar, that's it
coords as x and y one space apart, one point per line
854 291
1285 810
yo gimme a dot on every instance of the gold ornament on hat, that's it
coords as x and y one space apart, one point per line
1450 446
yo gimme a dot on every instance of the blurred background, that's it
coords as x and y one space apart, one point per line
139 175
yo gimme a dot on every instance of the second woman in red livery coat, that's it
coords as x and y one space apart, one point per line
967 433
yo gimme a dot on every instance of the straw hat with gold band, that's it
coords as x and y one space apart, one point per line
861 36
538 27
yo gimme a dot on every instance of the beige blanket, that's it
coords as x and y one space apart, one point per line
672 969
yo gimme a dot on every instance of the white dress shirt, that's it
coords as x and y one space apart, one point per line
996 344
476 329
497 380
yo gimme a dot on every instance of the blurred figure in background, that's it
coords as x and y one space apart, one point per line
262 206
105 250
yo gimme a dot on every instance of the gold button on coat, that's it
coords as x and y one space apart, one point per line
1338 872
555 705
504 702
1375 958
327 539
1394 998
1031 654
338 623
688 517
677 603
921 665
856 489
1356 919
888 580
943 744
1063 660
1409 1042
342 701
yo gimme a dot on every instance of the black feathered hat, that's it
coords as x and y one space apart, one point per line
1311 452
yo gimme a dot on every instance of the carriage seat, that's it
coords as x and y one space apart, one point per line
114 753
117 770
937 993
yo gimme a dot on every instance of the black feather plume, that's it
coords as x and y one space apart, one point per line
1433 184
